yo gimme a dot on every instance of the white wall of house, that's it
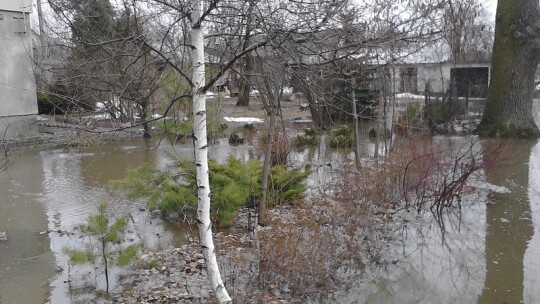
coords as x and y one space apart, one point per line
436 74
16 5
17 81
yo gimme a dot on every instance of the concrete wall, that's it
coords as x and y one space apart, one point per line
18 127
17 81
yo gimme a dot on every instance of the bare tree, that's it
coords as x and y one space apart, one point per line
466 29
269 77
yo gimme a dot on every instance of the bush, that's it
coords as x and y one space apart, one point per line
444 111
50 104
176 130
250 127
343 137
305 141
309 132
285 186
56 102
236 138
233 184
385 133
216 129
411 120
308 139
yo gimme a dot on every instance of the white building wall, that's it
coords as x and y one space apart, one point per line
16 5
438 77
437 74
17 81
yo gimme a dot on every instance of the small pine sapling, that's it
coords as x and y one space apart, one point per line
107 233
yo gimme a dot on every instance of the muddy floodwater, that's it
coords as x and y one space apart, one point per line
487 253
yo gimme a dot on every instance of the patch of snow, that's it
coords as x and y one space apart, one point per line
103 116
490 187
254 93
409 95
100 105
458 128
287 90
243 119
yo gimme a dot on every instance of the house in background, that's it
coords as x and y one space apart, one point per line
18 103
466 79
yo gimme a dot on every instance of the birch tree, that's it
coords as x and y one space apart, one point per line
201 153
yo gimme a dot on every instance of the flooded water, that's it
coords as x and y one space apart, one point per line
45 194
488 253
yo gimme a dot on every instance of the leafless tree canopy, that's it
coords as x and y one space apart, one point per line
116 52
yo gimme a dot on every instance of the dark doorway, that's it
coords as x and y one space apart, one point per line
470 82
409 80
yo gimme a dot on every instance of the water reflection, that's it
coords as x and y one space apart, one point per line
531 292
114 160
488 253
25 260
75 182
508 226
55 191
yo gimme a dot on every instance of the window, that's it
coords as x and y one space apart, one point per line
1 17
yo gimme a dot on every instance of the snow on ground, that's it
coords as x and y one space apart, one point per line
243 119
409 95
487 186
103 116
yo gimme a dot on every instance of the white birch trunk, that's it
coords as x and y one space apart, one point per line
201 156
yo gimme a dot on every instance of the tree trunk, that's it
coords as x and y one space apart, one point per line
201 155
267 164
245 84
314 108
356 131
144 114
243 93
105 264
508 111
